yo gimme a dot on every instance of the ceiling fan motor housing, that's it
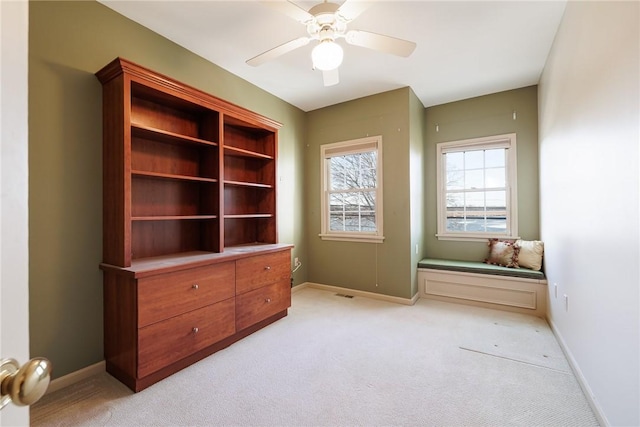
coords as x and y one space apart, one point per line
326 23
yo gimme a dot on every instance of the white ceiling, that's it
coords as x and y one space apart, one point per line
464 48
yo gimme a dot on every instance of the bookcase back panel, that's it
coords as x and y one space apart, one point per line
158 238
248 200
177 159
248 169
250 139
165 197
149 114
244 231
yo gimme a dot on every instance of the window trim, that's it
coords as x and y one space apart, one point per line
353 146
507 141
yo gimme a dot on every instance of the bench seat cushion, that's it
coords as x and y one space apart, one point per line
479 267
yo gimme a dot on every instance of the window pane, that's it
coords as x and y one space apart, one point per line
336 222
336 202
474 200
495 178
352 222
337 163
455 201
368 200
455 180
474 179
455 212
497 204
337 180
496 225
351 178
455 224
368 178
368 159
368 221
454 161
474 159
495 158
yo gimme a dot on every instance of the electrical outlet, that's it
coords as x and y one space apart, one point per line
295 261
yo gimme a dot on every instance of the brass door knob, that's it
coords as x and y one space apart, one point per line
23 385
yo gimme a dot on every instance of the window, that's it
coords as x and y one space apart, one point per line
352 190
477 188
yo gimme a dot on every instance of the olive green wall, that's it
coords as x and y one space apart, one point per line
68 43
417 183
383 268
478 117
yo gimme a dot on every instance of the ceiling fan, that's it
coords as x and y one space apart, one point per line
326 22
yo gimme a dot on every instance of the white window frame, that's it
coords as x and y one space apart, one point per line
507 141
342 148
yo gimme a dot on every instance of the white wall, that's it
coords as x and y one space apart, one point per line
589 184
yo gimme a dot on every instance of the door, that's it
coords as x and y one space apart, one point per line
14 265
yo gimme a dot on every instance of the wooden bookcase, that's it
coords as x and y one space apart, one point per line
189 209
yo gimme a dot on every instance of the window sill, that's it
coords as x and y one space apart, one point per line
352 238
474 238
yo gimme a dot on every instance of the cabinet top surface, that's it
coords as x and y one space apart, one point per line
164 264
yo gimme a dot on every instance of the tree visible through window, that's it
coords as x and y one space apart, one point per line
476 187
351 190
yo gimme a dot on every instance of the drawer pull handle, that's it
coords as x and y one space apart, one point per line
268 300
195 286
267 268
195 330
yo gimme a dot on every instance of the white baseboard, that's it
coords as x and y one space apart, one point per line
77 376
354 292
595 407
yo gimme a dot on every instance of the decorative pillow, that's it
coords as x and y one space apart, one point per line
530 255
503 252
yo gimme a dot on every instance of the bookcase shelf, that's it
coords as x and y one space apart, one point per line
158 175
165 136
247 184
239 152
172 217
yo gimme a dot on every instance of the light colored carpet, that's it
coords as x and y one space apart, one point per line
338 361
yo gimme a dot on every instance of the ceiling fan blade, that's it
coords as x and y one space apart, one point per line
379 42
350 9
278 51
331 77
291 9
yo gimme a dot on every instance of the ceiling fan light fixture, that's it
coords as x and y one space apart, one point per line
327 55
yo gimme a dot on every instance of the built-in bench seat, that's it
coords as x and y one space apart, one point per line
477 283
480 267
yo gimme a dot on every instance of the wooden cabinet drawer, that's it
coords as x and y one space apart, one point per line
173 339
257 305
166 295
260 270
